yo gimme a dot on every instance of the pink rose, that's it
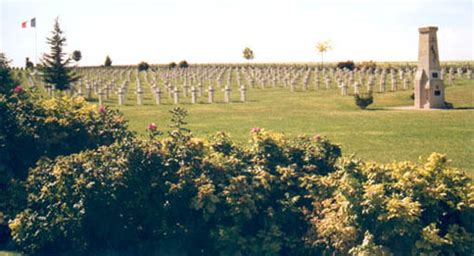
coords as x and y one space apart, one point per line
101 109
255 130
18 89
317 137
152 127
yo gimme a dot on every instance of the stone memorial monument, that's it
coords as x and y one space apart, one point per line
429 88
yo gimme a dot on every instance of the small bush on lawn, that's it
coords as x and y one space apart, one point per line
349 65
363 100
183 64
172 65
143 66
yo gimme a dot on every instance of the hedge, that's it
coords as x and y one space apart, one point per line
272 196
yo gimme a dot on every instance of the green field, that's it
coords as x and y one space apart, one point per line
379 133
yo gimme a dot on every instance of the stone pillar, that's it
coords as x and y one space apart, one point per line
356 88
451 77
344 89
227 91
106 90
382 83
121 96
328 83
194 93
394 81
305 85
139 96
243 93
317 82
176 95
405 83
210 95
370 85
429 88
158 93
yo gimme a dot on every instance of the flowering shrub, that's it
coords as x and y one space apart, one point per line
402 208
32 128
198 194
273 196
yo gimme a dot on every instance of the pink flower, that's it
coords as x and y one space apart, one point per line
18 89
317 137
101 109
152 127
255 130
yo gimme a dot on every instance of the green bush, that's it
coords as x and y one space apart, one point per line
349 65
402 208
7 81
273 196
183 64
363 101
143 66
177 190
33 128
172 65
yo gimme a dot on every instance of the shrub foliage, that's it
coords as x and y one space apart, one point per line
33 129
272 196
143 66
349 65
363 100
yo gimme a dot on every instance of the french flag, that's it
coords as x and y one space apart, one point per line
32 23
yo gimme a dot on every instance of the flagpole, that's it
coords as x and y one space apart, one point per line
36 46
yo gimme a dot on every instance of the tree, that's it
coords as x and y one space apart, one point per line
56 70
7 82
76 55
108 62
143 66
248 54
29 64
183 64
323 47
172 65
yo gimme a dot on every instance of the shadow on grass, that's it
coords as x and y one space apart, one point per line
376 109
462 108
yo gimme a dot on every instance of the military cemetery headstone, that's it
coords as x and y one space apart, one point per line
194 94
139 93
210 95
227 91
243 93
121 96
176 95
158 93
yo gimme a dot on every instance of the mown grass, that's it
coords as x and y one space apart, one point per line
379 133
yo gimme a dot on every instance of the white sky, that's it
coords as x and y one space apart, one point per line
211 31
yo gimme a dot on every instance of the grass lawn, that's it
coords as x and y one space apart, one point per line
379 133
